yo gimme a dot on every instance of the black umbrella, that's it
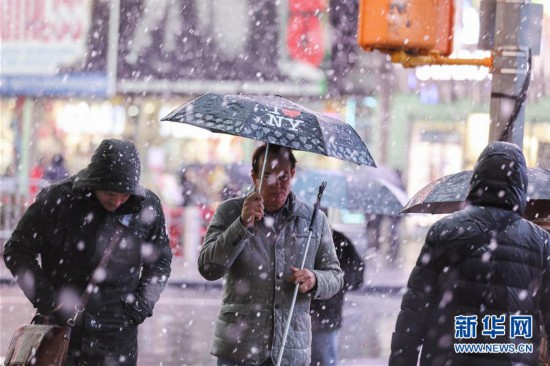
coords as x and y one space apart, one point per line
448 194
274 120
373 195
377 196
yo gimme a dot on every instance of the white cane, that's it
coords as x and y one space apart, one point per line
295 295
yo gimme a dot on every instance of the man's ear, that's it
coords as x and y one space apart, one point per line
292 171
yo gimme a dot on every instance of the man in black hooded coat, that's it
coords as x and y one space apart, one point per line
69 226
485 260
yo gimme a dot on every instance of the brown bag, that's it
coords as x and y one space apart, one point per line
39 345
544 356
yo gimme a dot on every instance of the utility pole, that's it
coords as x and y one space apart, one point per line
384 112
512 30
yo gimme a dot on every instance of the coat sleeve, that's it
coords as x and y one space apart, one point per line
21 251
156 264
224 240
327 271
417 302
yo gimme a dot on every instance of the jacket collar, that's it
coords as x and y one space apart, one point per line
298 207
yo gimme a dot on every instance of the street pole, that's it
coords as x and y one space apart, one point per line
112 51
515 38
385 110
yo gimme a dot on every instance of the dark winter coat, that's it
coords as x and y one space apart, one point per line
68 229
327 314
483 260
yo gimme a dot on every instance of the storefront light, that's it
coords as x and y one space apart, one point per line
133 111
12 103
81 117
531 149
351 107
370 102
477 136
455 72
149 108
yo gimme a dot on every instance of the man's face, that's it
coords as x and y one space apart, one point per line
111 201
277 177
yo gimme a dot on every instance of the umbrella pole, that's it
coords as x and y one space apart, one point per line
263 167
295 295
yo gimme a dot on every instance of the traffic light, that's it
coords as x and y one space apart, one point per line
418 27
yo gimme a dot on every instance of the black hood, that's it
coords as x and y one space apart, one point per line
115 167
500 178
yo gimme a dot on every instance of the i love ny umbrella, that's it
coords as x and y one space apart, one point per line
274 120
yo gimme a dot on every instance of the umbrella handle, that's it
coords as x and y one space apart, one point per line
295 295
317 204
263 167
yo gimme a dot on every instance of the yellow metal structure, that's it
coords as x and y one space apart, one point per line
408 60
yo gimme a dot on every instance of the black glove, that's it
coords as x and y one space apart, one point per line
136 315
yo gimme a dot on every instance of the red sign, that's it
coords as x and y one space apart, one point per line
44 21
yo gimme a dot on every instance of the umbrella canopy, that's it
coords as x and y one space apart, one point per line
448 194
363 173
274 120
348 191
306 181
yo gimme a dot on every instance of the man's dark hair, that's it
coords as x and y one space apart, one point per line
273 149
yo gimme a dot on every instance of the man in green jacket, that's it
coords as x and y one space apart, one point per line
257 243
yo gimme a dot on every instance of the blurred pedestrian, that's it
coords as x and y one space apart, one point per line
373 229
393 252
394 222
56 171
69 227
193 194
257 243
381 229
326 315
482 276
188 189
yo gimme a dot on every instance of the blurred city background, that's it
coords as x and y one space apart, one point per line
75 72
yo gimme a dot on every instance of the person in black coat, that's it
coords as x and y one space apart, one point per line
68 227
326 315
56 171
482 278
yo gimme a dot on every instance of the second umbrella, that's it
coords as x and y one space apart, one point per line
351 192
448 194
